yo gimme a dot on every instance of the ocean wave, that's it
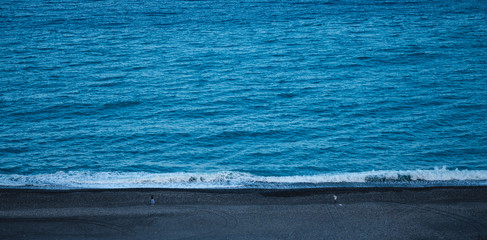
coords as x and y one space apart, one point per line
108 180
120 104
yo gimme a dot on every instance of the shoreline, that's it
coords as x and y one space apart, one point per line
360 213
296 191
328 186
436 177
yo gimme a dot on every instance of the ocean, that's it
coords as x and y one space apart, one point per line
242 94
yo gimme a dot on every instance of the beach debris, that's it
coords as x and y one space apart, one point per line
152 201
335 198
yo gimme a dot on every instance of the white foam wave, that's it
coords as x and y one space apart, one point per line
89 180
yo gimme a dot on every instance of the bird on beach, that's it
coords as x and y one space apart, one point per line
335 198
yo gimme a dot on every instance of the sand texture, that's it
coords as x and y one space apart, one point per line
361 213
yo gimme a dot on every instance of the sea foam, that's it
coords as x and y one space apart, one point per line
103 180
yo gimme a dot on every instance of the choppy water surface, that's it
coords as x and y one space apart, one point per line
214 93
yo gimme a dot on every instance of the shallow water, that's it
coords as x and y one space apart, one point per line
280 90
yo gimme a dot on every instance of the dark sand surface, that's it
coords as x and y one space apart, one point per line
361 213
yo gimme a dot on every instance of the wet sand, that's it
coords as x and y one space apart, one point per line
360 213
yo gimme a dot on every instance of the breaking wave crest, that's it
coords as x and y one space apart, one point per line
111 180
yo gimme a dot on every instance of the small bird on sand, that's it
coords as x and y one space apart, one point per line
335 198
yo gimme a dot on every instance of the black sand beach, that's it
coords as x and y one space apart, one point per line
360 213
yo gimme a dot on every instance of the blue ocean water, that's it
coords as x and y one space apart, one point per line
227 93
